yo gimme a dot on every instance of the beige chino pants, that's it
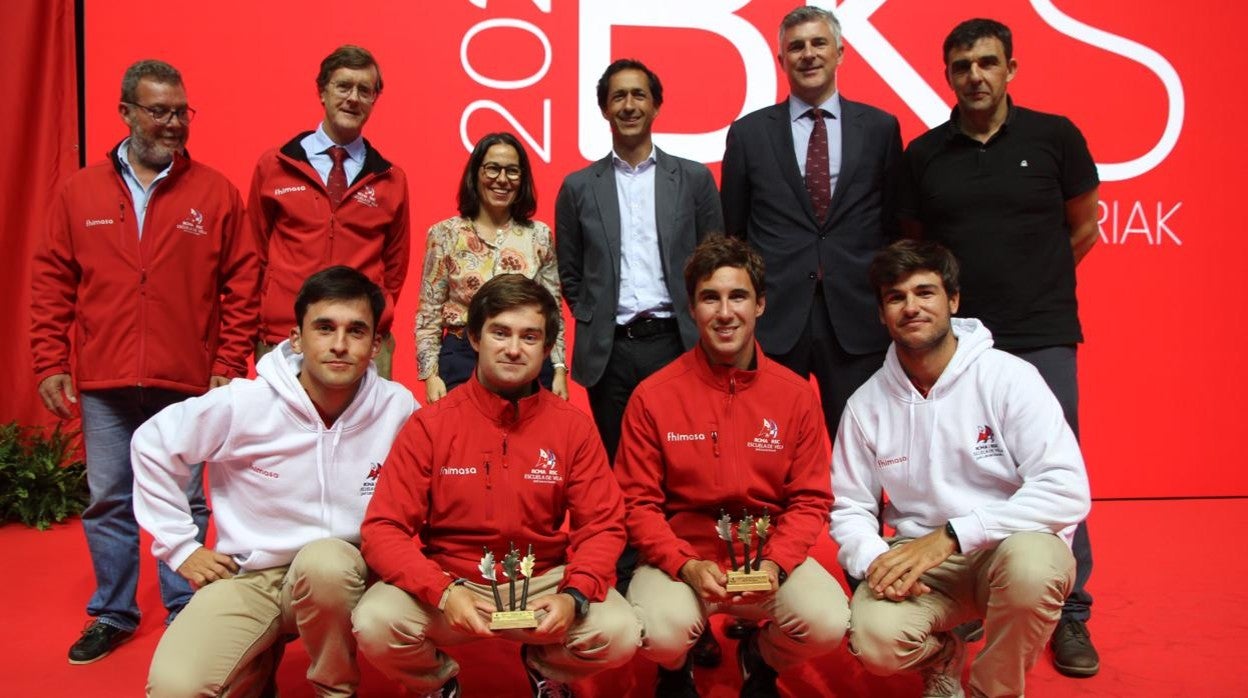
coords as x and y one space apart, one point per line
809 615
228 638
401 635
1018 588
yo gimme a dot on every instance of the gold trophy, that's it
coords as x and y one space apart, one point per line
513 566
749 576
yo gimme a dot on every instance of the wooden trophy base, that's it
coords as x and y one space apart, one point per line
749 581
511 620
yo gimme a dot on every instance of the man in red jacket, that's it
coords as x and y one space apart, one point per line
328 197
145 261
745 436
500 462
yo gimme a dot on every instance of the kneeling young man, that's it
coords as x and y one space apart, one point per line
293 457
985 485
723 429
498 462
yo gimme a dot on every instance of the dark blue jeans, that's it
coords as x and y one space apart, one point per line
1057 365
109 419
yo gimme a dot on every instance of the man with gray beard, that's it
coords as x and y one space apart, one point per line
145 262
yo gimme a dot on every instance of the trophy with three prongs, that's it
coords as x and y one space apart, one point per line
513 566
749 575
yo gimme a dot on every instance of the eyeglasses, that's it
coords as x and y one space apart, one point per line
163 115
492 171
365 91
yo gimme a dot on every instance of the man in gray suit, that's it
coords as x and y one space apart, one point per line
624 227
810 183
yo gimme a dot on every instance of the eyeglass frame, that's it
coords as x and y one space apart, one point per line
343 90
186 115
501 171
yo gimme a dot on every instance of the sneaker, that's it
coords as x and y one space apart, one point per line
98 639
677 683
942 676
450 689
1073 653
541 686
706 651
757 679
971 630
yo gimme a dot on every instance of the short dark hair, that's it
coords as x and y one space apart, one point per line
722 251
508 292
967 33
346 56
904 258
525 203
150 69
604 82
339 283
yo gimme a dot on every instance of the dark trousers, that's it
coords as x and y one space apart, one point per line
1057 365
631 362
837 372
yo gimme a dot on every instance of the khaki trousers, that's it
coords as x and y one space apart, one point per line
384 360
1018 588
227 640
401 635
809 615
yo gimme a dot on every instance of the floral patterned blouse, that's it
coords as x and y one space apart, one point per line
458 261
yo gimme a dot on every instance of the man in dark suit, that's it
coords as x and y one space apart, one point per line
813 192
624 227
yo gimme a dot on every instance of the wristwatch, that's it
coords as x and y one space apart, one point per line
582 603
957 545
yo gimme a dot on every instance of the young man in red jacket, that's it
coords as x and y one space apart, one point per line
500 462
328 197
146 263
746 436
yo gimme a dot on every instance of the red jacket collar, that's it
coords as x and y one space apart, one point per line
498 409
727 378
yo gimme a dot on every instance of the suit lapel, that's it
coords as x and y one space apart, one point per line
852 130
781 133
608 202
666 184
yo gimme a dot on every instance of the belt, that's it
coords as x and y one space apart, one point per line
647 327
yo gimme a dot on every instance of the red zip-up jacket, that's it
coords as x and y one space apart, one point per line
476 470
299 232
698 439
169 310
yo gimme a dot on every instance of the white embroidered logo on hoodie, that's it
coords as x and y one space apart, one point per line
370 480
193 224
986 445
546 469
768 438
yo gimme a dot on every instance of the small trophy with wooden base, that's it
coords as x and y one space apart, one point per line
748 576
513 566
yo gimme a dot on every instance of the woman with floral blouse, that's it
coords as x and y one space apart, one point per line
494 233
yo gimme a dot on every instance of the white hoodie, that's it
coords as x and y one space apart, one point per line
279 478
987 450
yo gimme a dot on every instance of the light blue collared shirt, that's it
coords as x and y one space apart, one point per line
643 289
316 144
803 126
138 195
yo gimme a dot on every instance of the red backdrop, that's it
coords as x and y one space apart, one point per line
1144 80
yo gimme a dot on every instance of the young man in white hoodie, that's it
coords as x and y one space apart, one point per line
293 457
985 485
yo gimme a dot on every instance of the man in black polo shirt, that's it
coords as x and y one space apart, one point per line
1013 193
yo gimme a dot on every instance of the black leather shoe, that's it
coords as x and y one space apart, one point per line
706 651
758 680
677 683
96 642
740 628
1073 653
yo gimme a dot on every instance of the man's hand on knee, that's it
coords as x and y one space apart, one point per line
466 613
206 565
895 574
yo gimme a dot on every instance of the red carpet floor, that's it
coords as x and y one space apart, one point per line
1171 619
